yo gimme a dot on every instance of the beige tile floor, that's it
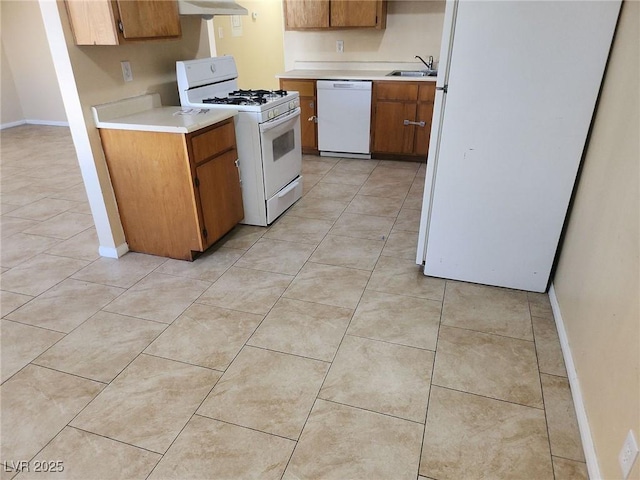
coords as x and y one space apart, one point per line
311 349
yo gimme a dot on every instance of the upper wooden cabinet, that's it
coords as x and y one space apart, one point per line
302 14
104 22
328 14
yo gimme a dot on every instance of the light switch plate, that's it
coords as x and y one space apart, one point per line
340 46
127 74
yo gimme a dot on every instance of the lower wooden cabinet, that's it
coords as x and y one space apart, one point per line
176 193
308 111
401 118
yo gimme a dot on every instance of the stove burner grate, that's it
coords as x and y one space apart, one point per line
236 100
258 93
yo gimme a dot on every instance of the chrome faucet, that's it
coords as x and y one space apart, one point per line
428 64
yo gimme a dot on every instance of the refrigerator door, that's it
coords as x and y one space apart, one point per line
436 124
523 82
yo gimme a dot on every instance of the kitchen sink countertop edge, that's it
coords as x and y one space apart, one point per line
350 75
145 113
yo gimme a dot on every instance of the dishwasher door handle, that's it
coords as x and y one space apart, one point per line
420 124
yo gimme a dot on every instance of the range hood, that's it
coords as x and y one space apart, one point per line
208 8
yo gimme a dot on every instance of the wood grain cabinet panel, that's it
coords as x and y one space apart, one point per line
334 14
303 14
391 135
221 206
349 13
401 120
169 204
308 111
106 22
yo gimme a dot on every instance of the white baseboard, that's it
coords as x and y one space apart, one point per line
12 124
111 252
576 392
53 123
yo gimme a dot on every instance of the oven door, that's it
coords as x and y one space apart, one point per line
281 151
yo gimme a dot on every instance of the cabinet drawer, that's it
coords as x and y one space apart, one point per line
427 92
305 87
213 142
396 91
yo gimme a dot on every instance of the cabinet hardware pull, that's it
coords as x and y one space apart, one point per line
237 163
312 118
420 124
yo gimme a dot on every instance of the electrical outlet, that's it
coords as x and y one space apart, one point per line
628 454
127 74
339 46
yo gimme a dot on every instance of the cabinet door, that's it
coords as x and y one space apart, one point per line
423 134
306 14
220 195
148 18
391 135
424 114
92 22
308 107
354 13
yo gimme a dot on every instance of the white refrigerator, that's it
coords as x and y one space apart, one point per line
516 90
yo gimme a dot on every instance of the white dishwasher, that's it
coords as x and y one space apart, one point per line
344 118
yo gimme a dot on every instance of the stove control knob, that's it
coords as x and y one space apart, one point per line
276 111
292 105
270 113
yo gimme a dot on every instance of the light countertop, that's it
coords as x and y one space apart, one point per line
350 75
378 70
145 113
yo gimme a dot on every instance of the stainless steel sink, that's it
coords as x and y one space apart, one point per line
413 73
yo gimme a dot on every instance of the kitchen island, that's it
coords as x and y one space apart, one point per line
174 173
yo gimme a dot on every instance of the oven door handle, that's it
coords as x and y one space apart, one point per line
266 126
293 185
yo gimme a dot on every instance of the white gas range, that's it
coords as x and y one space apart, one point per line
267 134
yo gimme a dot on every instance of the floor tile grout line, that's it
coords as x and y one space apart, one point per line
112 439
204 398
253 429
389 342
53 286
155 355
489 333
297 355
77 327
433 372
371 411
334 355
541 409
544 403
7 319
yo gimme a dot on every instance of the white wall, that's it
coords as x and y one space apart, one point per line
25 51
11 113
414 27
597 283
